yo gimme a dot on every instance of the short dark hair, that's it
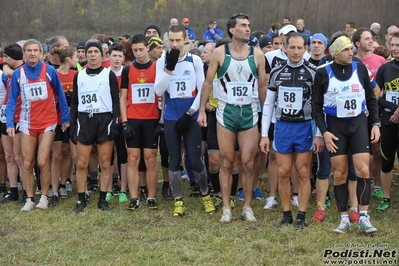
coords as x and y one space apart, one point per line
117 47
395 35
231 23
139 38
296 35
275 35
287 18
178 28
223 41
351 24
357 35
258 33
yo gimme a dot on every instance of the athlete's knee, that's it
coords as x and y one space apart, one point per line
214 161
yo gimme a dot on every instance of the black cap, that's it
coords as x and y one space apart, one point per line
14 51
212 21
155 27
265 41
81 45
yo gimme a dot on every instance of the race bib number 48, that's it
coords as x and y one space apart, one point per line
349 104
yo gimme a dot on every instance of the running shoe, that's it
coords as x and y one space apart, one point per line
384 205
271 203
53 201
354 216
134 204
379 194
287 220
257 193
319 216
226 216
179 208
9 197
248 215
103 205
80 207
208 204
240 195
38 191
122 197
68 187
152 204
63 193
29 205
109 196
327 204
218 202
167 193
300 224
365 225
232 203
344 226
294 201
43 203
143 194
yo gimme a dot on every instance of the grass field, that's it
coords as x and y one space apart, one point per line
59 237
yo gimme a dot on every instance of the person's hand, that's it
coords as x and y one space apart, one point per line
395 117
264 145
201 120
159 129
171 59
329 141
318 145
183 124
64 127
113 131
375 134
127 131
11 132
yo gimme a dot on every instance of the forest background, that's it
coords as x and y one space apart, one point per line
78 20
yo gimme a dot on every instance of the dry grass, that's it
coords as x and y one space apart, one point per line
58 237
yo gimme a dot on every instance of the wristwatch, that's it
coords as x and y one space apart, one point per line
377 124
190 112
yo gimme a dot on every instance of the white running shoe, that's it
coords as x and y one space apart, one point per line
63 193
271 203
344 226
294 201
68 186
29 205
365 225
43 203
226 216
248 214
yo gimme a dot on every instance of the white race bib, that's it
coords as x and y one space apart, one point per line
392 96
90 100
35 91
143 93
180 88
349 104
239 93
3 118
290 98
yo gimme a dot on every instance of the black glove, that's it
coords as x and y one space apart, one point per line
127 131
114 131
183 124
159 130
68 97
171 59
73 128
